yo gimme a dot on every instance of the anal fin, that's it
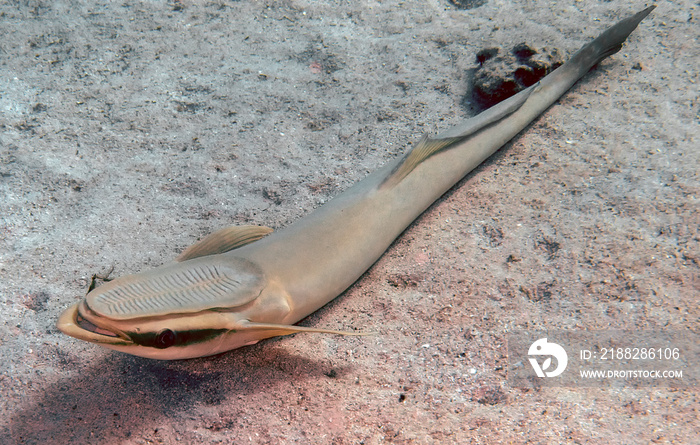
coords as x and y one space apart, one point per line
223 240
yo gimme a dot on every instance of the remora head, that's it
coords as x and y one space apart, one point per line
180 310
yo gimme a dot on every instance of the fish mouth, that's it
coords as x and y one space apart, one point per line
77 322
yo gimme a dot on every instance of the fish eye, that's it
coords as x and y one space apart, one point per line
164 339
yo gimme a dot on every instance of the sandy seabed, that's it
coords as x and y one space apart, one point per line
132 129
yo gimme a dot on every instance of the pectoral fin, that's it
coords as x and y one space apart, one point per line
224 240
286 329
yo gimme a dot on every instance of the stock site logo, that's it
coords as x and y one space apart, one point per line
541 348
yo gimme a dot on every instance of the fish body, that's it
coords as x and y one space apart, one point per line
244 284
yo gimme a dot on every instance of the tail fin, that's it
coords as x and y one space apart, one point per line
608 43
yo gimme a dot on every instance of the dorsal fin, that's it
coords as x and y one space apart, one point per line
424 149
429 146
223 240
